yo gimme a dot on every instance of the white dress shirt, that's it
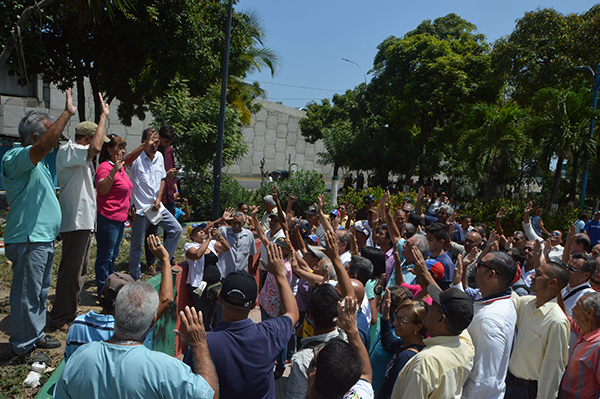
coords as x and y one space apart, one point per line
146 175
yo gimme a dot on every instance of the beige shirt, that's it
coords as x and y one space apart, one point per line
439 371
541 351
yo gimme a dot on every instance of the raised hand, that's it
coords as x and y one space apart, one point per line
194 327
501 213
332 249
156 247
276 265
69 107
346 319
103 106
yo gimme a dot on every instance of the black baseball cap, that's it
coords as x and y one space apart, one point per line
239 289
455 303
312 210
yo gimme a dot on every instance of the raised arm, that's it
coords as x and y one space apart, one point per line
384 209
347 322
221 244
419 204
332 253
98 139
45 144
280 213
132 156
259 230
165 292
195 337
529 232
322 217
276 267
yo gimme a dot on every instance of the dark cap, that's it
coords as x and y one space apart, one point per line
368 198
455 304
239 289
112 286
280 242
312 210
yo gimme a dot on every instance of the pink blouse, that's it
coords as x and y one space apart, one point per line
114 204
269 296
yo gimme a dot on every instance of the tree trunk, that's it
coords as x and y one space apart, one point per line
93 74
556 182
574 172
80 89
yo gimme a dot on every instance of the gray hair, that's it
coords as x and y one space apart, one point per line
239 213
592 300
269 200
422 244
32 123
135 308
447 208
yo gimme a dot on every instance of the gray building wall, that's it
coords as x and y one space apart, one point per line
274 135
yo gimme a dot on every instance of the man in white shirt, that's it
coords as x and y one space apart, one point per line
147 173
344 245
493 326
78 206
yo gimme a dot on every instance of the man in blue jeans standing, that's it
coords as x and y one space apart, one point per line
147 173
32 224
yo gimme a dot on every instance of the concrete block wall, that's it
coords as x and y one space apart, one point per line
274 135
52 101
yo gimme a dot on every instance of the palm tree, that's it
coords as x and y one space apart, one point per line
496 145
562 121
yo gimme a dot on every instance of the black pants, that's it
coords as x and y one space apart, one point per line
203 304
516 390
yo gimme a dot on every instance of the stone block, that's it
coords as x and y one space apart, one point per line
269 151
291 140
246 166
280 145
300 145
283 118
13 115
310 153
282 131
261 116
281 161
270 136
259 143
272 121
256 157
299 159
260 128
319 146
248 134
293 125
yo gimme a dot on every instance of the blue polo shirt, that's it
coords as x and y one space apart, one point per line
593 230
445 260
244 354
34 214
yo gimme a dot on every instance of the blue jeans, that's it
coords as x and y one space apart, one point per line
172 230
32 273
109 234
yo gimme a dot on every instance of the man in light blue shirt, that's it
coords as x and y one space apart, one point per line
121 367
32 224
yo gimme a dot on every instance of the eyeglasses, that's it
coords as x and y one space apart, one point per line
574 269
400 320
555 233
480 263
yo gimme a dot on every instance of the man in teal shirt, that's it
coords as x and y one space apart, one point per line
32 224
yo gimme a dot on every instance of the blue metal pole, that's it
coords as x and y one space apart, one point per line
594 103
221 129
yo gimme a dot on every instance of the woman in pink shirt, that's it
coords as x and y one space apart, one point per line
114 194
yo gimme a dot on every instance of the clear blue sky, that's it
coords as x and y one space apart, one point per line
312 36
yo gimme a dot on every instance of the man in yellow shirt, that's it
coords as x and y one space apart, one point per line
541 352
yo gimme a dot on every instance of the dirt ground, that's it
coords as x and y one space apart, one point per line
13 372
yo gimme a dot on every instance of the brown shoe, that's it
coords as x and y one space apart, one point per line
152 270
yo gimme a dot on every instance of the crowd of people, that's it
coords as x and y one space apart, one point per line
414 302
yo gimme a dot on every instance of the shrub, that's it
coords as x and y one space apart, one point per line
305 185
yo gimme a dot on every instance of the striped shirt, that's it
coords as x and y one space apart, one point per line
88 328
582 376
